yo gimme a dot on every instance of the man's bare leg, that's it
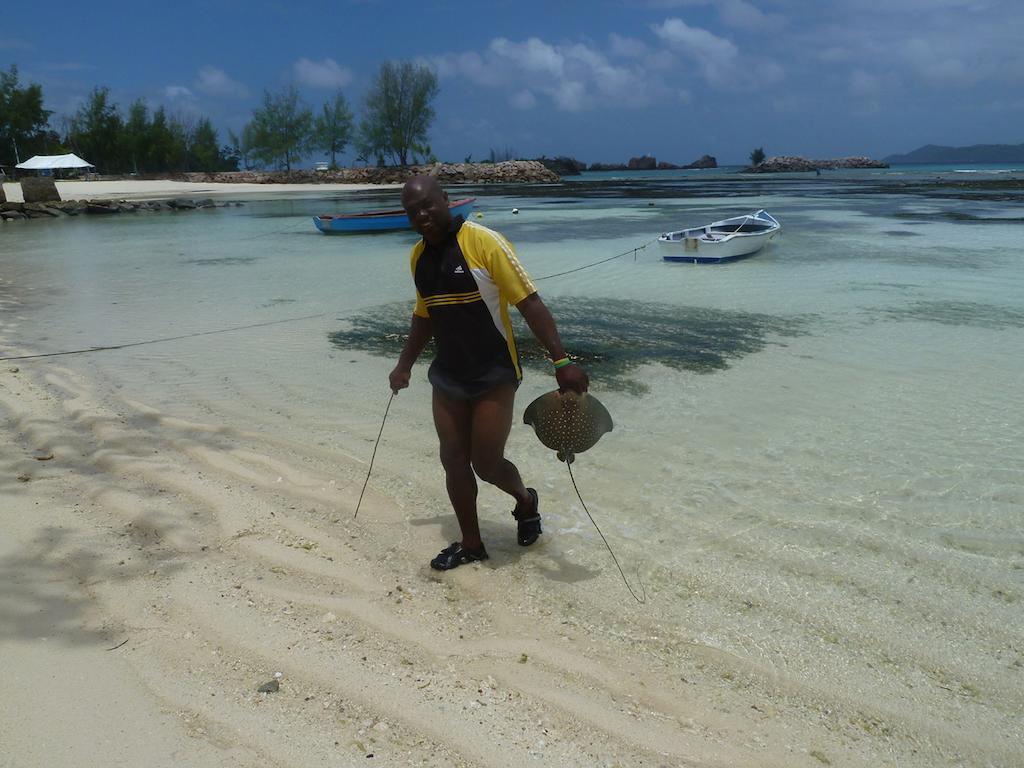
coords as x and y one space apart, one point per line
453 420
490 427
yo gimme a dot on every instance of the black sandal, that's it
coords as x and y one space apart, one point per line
455 555
528 528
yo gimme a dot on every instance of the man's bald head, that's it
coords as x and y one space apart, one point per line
427 185
426 205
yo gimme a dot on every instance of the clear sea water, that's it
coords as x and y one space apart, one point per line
818 455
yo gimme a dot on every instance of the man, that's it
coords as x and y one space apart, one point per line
466 276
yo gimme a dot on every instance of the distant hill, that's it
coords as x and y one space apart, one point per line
976 153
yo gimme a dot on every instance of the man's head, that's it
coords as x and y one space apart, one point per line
426 205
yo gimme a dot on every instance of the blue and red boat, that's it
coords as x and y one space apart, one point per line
379 221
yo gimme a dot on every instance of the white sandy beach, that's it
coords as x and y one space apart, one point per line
151 586
163 189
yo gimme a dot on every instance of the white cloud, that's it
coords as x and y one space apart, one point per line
768 72
469 65
327 74
176 92
571 96
523 100
14 44
733 13
715 56
534 56
835 53
863 83
744 15
573 77
215 82
627 47
939 66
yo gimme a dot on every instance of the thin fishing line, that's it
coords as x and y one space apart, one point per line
609 546
374 455
167 338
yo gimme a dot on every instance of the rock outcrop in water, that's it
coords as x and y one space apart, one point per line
563 166
705 161
648 163
642 163
39 189
791 164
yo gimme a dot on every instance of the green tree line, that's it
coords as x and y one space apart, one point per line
142 142
397 114
24 123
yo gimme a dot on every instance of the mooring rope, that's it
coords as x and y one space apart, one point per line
108 347
165 338
634 251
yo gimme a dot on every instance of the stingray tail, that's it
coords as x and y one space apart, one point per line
639 599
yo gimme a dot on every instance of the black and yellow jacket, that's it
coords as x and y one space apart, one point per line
464 286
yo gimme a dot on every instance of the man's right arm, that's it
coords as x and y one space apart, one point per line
419 334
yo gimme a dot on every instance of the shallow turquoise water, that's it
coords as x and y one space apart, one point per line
818 457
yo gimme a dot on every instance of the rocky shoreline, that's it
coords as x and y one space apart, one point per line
42 199
56 209
509 171
792 164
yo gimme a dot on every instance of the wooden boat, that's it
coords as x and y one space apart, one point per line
720 241
379 221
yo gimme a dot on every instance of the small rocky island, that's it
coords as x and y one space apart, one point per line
791 164
649 163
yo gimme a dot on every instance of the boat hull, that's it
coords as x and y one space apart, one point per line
721 241
379 221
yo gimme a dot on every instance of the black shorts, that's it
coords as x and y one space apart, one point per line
457 389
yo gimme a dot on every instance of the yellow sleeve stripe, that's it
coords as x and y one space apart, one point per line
506 248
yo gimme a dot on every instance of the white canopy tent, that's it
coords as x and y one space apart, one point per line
52 162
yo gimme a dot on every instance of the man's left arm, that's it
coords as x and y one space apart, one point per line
542 323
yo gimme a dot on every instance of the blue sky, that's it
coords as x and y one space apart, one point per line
601 80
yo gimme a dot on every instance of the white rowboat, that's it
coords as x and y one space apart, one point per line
720 241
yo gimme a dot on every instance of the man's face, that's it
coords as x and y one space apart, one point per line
427 209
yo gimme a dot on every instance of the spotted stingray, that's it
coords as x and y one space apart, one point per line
568 423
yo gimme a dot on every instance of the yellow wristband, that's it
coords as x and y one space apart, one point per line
562 363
